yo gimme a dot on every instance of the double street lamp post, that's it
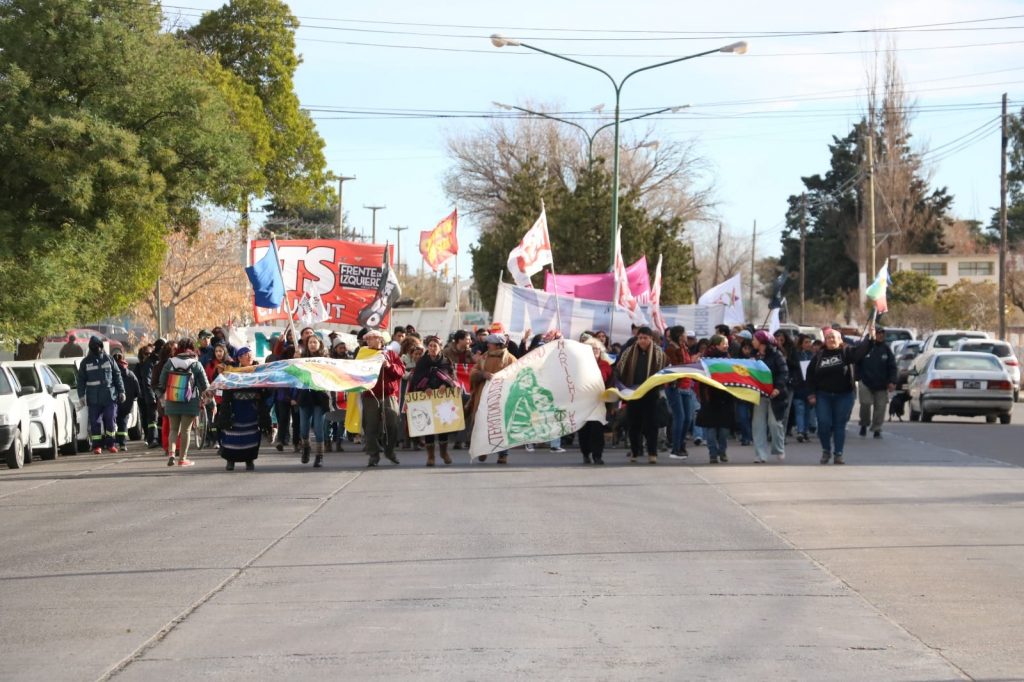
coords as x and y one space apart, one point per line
500 41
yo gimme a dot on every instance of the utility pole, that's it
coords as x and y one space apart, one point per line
753 259
803 250
398 229
696 279
718 256
373 235
341 181
159 311
871 201
1002 227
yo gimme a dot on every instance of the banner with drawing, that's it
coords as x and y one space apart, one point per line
434 411
549 392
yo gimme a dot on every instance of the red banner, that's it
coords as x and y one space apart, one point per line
441 243
462 375
346 274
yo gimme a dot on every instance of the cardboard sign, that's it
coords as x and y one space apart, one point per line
347 275
434 411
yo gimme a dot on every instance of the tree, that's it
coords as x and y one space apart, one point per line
577 224
968 305
111 135
909 287
1014 184
255 41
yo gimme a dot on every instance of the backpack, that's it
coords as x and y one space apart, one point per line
181 384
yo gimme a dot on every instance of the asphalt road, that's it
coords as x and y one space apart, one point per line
906 564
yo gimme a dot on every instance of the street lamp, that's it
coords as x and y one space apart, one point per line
590 136
734 48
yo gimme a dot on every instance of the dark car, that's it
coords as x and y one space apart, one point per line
905 360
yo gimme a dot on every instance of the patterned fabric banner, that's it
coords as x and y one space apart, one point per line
319 374
744 379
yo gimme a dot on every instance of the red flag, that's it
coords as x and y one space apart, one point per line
441 243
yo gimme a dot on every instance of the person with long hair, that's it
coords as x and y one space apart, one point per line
433 371
717 407
830 382
313 406
680 395
285 407
769 426
181 385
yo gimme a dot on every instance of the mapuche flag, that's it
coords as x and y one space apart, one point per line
441 243
876 292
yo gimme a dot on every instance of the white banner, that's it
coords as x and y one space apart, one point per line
549 392
519 309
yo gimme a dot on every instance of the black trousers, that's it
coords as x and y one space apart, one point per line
642 419
592 440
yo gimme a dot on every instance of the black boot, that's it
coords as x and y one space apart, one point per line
230 466
305 451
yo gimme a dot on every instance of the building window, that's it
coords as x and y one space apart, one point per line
933 269
977 268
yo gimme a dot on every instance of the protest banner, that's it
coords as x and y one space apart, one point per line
519 309
434 411
744 379
600 286
549 392
346 275
317 374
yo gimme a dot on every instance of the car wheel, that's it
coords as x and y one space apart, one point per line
914 415
16 453
926 417
29 455
990 419
1004 418
71 447
51 451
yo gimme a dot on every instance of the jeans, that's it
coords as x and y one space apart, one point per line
681 402
717 440
833 413
806 418
744 415
312 416
767 429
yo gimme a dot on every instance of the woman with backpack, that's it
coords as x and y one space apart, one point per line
433 370
181 385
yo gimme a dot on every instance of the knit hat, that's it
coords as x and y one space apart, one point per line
764 337
745 334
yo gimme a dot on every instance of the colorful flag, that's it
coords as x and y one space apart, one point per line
730 294
532 254
655 300
623 296
318 374
876 292
265 277
745 379
311 308
549 392
441 243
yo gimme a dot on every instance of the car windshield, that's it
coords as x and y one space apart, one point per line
67 373
948 361
5 385
950 340
1000 350
896 335
27 377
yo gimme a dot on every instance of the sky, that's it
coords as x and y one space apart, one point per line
762 120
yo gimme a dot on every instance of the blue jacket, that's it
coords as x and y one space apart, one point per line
99 379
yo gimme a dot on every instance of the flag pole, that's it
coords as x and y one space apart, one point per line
554 277
280 270
458 296
615 282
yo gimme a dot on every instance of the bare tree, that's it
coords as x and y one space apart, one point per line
731 257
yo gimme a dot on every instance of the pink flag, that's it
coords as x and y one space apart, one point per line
623 296
532 254
655 300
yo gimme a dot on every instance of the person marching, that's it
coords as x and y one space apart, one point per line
639 361
592 432
380 404
131 395
830 383
717 407
769 426
433 371
495 359
148 358
99 382
181 384
876 373
313 406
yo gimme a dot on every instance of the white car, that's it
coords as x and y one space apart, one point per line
67 370
14 422
942 341
963 384
53 426
1003 351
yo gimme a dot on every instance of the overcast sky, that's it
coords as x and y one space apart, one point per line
763 119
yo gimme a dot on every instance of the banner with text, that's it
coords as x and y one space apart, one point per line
347 275
435 411
519 309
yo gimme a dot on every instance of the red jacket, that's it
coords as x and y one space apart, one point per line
678 355
606 372
390 381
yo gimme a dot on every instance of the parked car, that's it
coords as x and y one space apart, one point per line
1003 351
963 384
898 334
67 370
793 330
53 426
14 421
905 360
942 341
51 348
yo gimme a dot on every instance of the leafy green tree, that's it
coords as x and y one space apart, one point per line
578 220
909 287
111 134
968 305
255 40
1014 185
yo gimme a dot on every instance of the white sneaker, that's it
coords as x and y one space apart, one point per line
680 456
557 449
529 447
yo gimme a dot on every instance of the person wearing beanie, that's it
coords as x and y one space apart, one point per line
830 386
100 383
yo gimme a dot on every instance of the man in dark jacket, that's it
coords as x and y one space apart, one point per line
877 374
124 407
147 397
642 359
99 382
71 349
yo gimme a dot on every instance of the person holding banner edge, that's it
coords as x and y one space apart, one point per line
433 371
381 421
638 362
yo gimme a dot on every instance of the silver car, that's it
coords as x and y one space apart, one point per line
1003 351
963 384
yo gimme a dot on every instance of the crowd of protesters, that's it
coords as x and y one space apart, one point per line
812 392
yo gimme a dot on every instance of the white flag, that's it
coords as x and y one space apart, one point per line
730 294
655 300
773 320
623 296
311 308
532 254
